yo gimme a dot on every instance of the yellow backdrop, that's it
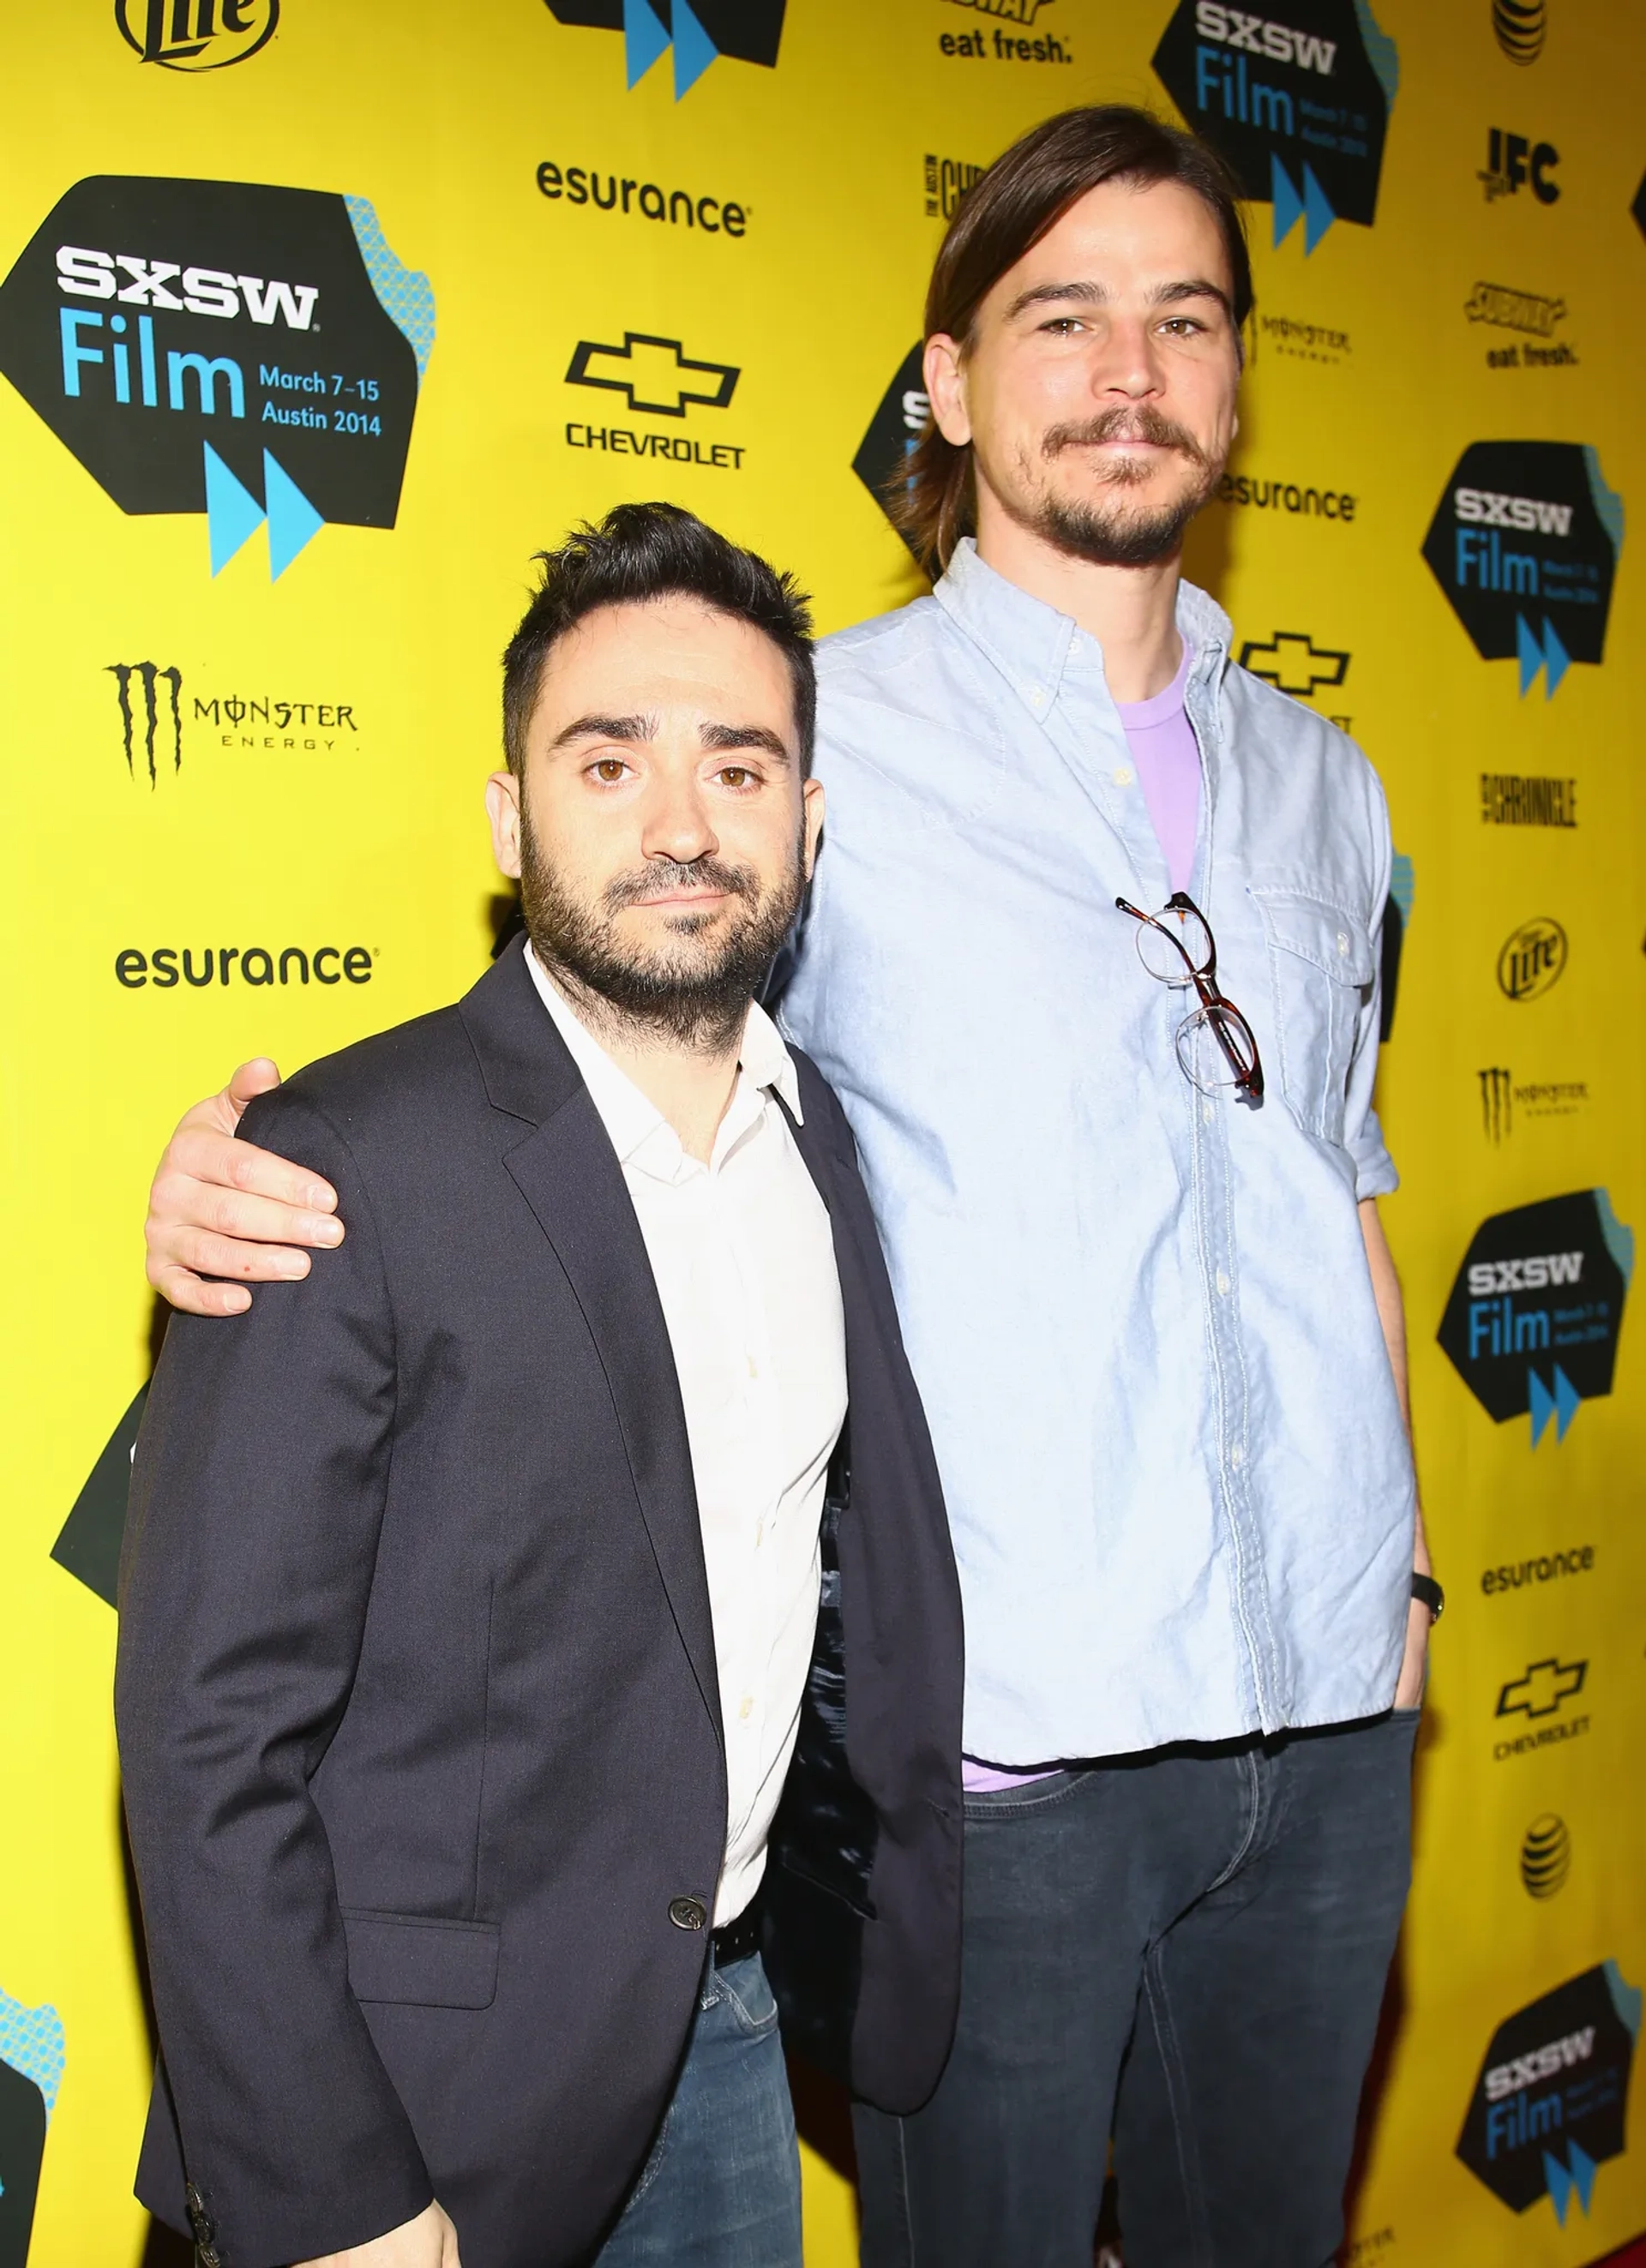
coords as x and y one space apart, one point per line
539 288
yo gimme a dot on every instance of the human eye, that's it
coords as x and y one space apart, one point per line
739 778
1183 327
1062 326
609 771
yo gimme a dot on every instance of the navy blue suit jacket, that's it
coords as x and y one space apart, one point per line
416 1693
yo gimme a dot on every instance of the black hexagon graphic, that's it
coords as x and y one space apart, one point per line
222 347
1532 1322
1549 2103
895 430
1299 109
1524 544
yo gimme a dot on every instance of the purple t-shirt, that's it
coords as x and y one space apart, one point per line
1168 761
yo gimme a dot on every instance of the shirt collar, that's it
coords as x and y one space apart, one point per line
633 1122
1031 644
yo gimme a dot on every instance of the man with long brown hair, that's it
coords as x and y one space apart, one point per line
1134 1233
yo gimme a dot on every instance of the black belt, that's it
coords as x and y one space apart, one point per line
737 1940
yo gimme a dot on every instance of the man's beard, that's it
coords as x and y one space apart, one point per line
681 997
1106 534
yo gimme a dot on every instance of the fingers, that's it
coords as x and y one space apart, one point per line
180 1289
203 1252
198 1159
252 1078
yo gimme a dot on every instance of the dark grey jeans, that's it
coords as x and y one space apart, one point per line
1188 1950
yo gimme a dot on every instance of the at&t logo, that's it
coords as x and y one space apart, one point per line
197 36
1545 1856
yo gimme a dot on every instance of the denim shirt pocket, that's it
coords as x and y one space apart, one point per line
1321 970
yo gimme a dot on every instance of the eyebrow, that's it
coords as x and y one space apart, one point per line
607 728
1097 295
632 729
745 736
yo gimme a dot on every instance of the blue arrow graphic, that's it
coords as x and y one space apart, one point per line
694 49
1318 213
644 39
1566 1399
232 512
292 519
1542 1403
1535 653
1289 206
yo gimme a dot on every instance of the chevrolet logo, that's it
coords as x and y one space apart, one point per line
655 374
1542 1689
1294 663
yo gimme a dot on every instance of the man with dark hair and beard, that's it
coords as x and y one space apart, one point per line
1134 1233
513 1664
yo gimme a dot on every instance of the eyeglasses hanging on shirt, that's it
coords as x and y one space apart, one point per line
1216 1051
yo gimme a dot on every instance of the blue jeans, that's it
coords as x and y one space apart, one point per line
1187 1950
722 2186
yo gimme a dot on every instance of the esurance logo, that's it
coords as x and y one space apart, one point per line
698 30
197 36
1531 1325
1298 103
250 352
1524 544
895 430
1549 2105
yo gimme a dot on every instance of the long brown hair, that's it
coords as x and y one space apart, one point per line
1024 194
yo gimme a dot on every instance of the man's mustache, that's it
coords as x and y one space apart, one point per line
1122 423
668 878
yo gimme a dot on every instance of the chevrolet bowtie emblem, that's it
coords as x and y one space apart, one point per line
1294 663
1542 1689
654 375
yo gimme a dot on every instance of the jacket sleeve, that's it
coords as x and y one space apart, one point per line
258 1492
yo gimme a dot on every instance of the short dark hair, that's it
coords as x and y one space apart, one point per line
642 551
1018 200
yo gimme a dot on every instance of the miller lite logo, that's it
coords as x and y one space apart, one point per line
197 36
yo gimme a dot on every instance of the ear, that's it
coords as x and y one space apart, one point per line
812 806
503 808
946 388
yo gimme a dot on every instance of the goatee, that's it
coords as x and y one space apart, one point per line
687 994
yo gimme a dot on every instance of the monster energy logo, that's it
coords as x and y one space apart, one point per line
1497 1102
150 677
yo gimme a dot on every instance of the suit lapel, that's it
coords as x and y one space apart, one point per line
568 1173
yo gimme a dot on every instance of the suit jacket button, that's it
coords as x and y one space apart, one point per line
688 1913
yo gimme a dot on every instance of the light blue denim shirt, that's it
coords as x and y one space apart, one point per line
1142 1321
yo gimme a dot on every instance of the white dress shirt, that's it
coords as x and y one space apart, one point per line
744 1259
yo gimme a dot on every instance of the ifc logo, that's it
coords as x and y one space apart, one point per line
1545 1856
197 36
1520 25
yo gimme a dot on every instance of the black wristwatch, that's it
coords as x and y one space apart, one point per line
1425 1587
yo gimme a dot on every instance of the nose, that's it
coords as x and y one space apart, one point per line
677 824
1126 361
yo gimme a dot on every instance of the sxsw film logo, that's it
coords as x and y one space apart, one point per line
1298 104
698 30
1520 27
197 36
653 375
1524 544
250 352
151 712
1548 2107
1531 1325
895 430
1532 960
